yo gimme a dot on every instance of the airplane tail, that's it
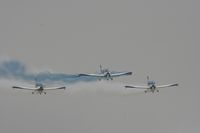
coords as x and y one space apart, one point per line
147 79
101 69
38 83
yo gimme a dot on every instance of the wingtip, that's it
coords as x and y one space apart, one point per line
79 75
130 73
175 84
128 86
15 87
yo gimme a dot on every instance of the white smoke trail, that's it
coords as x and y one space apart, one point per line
14 69
13 73
102 87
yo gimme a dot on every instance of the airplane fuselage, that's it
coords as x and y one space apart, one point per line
40 90
107 76
152 86
106 73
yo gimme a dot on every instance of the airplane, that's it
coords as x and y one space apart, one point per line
151 86
106 74
39 88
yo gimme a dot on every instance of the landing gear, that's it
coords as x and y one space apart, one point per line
157 90
32 92
145 91
45 93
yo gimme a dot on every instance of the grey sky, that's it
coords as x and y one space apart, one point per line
159 38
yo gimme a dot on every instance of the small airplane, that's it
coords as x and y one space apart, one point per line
151 86
106 74
39 88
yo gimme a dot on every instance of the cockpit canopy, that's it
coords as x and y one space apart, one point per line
151 83
105 70
39 85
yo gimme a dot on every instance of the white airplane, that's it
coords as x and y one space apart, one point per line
106 74
39 88
151 86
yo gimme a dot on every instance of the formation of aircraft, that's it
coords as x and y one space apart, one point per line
151 86
39 88
106 74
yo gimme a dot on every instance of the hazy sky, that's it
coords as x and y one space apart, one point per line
159 38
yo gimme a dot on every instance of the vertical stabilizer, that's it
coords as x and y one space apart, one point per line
147 78
101 69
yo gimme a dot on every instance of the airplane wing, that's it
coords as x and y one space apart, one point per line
55 88
93 75
164 86
112 74
120 74
137 87
23 88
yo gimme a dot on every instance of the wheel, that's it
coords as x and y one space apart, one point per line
32 92
145 91
157 90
